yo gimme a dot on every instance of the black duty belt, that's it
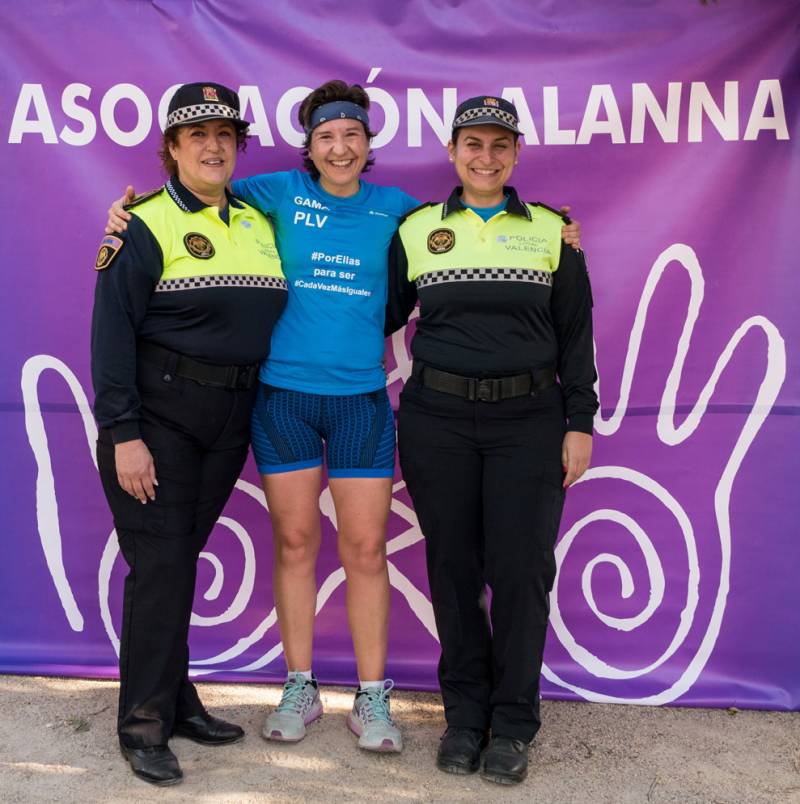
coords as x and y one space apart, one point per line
490 389
175 364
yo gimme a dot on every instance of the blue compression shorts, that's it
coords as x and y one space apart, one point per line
289 429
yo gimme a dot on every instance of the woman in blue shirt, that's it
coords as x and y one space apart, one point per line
325 385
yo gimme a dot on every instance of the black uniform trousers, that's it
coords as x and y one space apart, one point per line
485 479
199 436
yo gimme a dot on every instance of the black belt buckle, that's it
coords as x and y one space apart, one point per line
248 375
241 377
487 390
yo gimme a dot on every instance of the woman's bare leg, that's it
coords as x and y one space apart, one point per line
293 500
362 511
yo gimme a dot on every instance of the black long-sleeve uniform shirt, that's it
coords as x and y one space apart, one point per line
185 277
497 298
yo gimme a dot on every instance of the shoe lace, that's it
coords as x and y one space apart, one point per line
374 704
294 697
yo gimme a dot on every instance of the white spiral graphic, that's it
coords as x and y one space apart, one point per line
655 573
579 654
240 600
774 375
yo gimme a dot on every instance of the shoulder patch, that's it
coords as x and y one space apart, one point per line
110 246
417 209
143 197
557 212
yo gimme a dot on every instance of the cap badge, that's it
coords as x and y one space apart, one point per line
491 102
441 241
210 94
109 248
199 246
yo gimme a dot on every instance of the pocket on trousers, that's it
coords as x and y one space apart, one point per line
161 393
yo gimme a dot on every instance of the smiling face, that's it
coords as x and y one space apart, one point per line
339 150
206 156
484 158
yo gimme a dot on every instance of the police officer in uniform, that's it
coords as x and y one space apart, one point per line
184 307
494 423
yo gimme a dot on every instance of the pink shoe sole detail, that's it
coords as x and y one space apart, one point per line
278 736
386 747
313 714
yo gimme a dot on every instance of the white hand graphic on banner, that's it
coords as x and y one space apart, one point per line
671 435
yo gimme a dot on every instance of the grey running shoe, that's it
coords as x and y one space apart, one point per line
371 720
299 706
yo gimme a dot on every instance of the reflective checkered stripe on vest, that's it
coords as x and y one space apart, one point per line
463 248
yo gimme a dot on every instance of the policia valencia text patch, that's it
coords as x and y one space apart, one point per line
109 248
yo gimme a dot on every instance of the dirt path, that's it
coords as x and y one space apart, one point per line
57 743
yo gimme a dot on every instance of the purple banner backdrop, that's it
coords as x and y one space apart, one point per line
669 126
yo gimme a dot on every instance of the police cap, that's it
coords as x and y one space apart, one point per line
195 103
487 110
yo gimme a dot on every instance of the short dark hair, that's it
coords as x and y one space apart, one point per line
327 93
170 137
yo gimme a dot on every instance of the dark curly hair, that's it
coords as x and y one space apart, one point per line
170 137
331 91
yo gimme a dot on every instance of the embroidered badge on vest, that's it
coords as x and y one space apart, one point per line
109 248
441 241
199 246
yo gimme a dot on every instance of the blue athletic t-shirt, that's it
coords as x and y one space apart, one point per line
329 339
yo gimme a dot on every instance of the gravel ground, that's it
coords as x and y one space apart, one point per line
57 743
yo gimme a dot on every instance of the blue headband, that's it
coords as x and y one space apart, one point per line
337 110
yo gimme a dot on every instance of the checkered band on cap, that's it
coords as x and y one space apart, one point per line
485 111
201 111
